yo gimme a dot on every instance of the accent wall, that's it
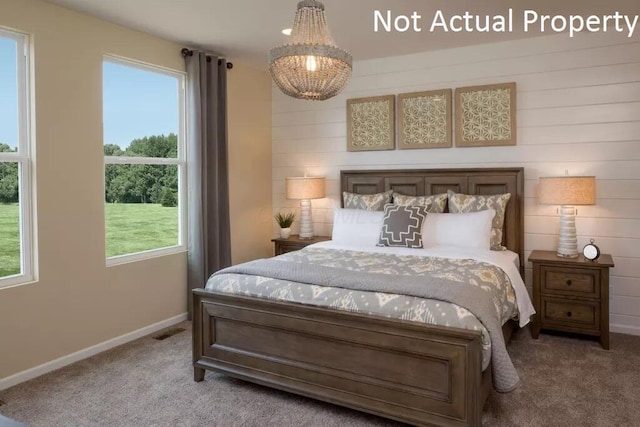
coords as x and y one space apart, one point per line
578 104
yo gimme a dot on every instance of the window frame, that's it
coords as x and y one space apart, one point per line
26 190
180 161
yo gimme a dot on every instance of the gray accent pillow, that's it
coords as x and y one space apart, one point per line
402 226
434 204
367 202
463 203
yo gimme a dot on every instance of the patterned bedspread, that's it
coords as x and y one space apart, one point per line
381 303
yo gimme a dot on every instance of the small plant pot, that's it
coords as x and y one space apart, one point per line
285 233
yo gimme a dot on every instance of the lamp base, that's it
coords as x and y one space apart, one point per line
567 240
306 223
561 255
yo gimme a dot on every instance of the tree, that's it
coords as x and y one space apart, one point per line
9 184
154 146
4 148
9 191
119 185
142 183
113 150
169 198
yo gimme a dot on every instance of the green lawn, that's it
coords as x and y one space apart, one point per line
9 240
135 228
130 228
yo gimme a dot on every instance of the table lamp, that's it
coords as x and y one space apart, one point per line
305 189
567 191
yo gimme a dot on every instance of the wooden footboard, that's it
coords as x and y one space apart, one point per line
418 374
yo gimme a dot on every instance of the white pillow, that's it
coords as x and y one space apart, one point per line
356 226
464 230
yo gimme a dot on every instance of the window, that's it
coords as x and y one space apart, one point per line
144 155
16 245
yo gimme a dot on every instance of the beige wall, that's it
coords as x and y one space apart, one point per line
77 301
578 104
250 162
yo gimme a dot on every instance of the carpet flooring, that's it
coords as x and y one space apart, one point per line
565 382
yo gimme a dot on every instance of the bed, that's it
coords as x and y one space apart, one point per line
417 373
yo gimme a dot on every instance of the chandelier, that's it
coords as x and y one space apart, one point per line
311 66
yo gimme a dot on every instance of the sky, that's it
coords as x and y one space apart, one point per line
8 93
137 103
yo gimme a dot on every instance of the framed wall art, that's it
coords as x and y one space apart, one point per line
371 123
486 115
424 119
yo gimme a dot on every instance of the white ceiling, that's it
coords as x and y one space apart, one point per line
247 30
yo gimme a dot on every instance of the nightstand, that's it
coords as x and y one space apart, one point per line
295 243
571 295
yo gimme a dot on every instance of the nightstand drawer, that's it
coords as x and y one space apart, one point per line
284 248
570 314
570 282
295 243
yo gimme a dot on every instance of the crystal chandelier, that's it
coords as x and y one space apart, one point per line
311 66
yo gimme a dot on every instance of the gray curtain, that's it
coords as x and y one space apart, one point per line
208 183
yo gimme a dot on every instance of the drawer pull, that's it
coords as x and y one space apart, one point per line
569 314
569 282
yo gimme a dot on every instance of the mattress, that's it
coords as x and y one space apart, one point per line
509 304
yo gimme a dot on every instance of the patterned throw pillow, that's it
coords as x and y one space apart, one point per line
462 203
402 226
367 202
434 204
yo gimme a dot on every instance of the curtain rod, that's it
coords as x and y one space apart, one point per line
188 52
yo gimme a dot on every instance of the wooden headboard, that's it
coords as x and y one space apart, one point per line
424 182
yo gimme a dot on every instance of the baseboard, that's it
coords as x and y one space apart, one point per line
623 329
87 352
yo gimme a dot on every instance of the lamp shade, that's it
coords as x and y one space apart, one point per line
567 190
305 188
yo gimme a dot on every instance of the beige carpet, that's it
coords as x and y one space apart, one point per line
565 382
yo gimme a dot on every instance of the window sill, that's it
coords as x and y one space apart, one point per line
142 256
15 281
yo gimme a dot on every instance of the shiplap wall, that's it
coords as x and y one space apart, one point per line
578 110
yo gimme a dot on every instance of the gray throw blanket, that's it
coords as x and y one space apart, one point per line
474 299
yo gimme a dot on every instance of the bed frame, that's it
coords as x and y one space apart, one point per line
416 373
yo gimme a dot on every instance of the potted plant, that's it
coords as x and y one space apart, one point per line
285 220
